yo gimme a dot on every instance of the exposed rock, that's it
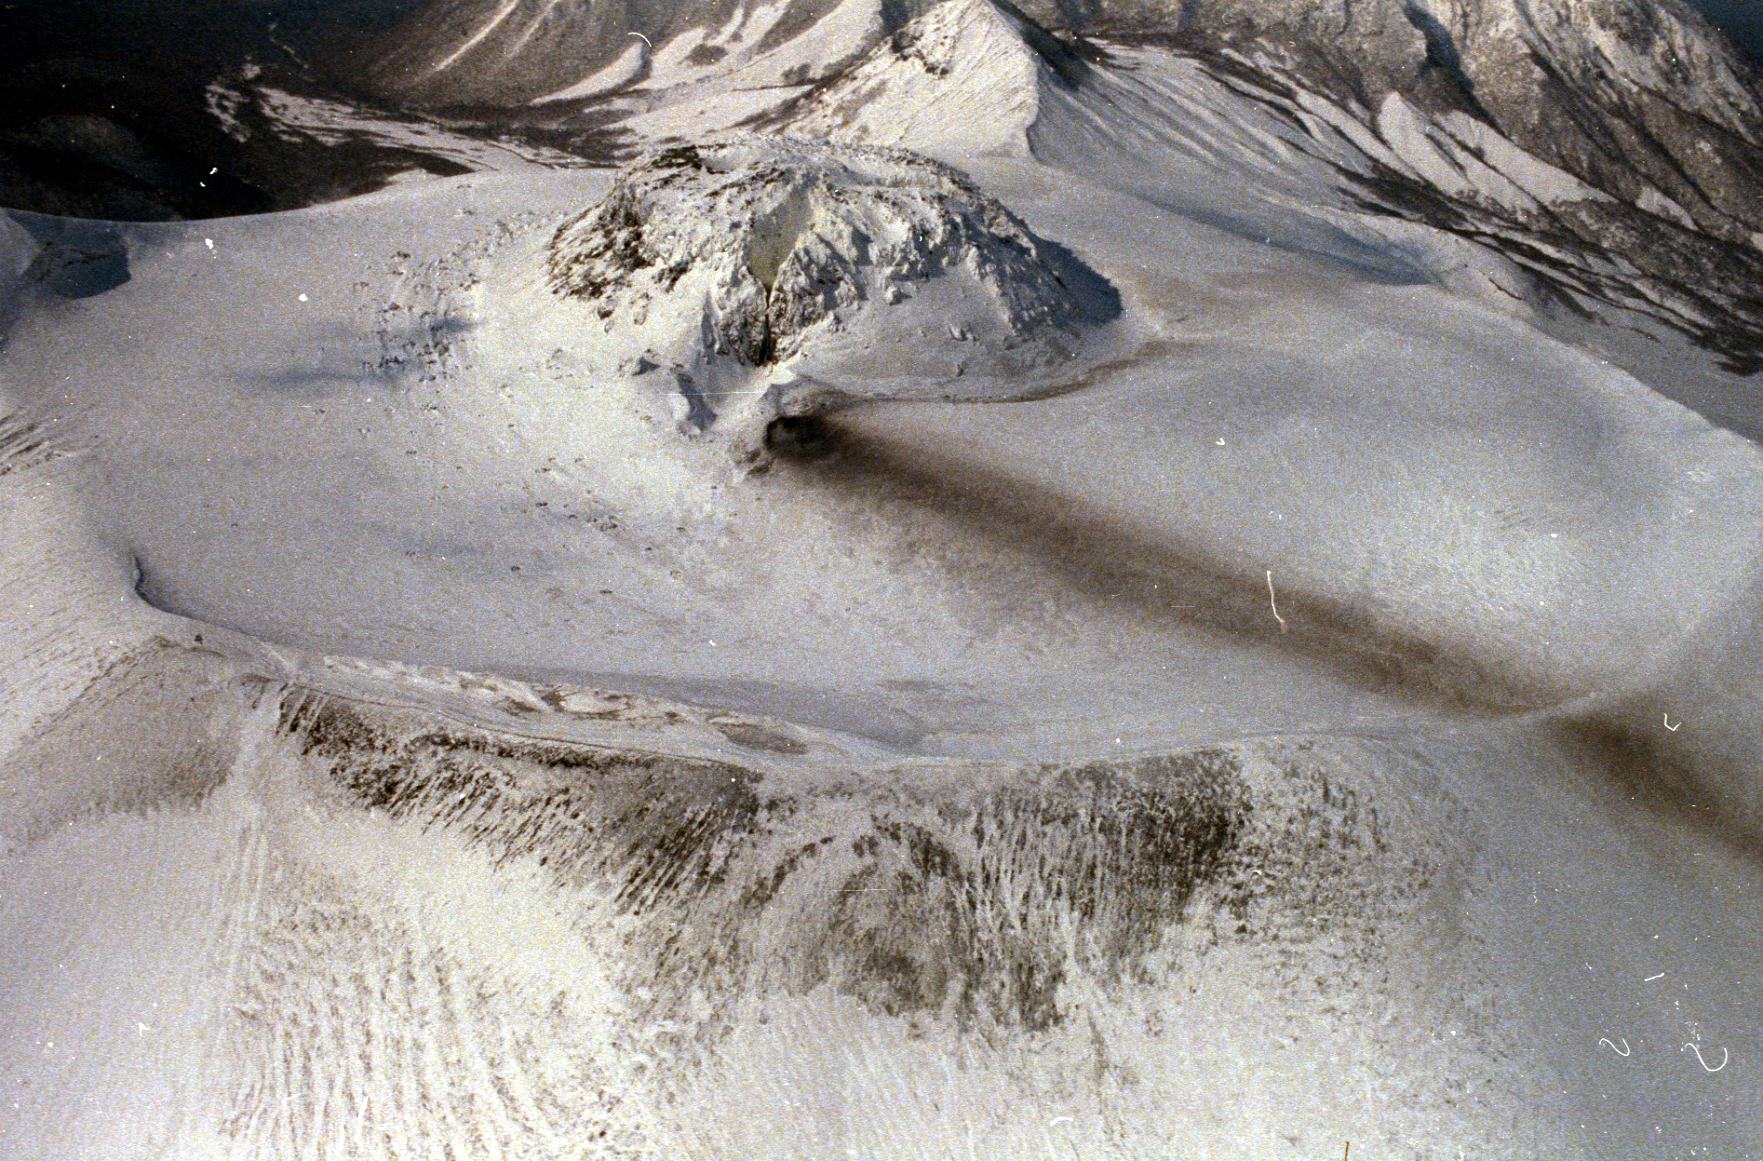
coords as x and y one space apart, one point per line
868 273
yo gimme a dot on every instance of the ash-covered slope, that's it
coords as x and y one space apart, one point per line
1645 106
822 270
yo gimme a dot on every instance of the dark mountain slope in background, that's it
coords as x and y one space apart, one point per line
1628 97
122 110
1742 20
1625 96
1645 103
469 52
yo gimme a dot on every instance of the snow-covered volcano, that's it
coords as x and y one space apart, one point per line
1247 643
810 275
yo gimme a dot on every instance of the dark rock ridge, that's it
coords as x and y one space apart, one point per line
1625 94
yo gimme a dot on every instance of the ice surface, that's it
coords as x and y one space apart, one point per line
1325 708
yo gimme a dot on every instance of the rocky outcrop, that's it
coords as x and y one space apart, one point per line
870 272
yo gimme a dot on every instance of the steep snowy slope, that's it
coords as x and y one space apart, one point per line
467 52
1453 200
905 89
1625 96
1274 141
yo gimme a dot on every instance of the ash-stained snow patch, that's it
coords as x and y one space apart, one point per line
948 895
803 274
1145 919
25 442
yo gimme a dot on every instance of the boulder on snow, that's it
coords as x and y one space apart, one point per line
847 272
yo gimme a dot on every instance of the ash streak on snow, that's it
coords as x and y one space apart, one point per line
1006 907
1171 583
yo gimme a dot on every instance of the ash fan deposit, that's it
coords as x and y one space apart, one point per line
946 896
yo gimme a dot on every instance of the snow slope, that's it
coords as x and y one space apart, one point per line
467 53
1254 135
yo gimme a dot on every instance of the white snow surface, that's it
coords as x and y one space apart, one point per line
1471 611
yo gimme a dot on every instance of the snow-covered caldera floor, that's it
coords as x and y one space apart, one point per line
467 743
334 430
